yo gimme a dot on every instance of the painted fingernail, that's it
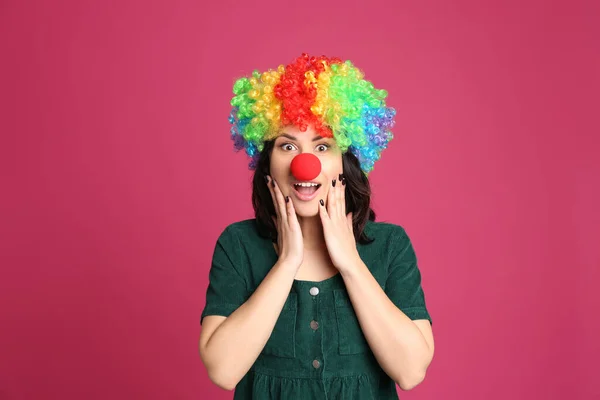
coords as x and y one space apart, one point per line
273 183
333 183
321 201
341 177
287 199
266 179
344 182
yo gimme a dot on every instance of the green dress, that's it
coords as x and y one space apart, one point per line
317 349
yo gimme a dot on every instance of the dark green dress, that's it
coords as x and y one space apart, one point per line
317 349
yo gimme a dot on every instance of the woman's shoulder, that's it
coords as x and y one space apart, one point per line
385 229
387 239
245 225
243 230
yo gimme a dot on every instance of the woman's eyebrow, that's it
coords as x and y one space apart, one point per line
296 139
288 136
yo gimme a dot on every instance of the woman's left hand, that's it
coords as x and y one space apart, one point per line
337 227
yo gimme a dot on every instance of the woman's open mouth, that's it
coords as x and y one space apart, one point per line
306 191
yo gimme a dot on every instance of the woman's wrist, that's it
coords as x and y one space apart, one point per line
287 264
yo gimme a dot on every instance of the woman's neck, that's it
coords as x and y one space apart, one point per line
312 233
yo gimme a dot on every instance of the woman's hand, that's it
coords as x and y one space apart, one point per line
290 244
337 227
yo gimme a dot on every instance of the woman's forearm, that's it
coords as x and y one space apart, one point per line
236 344
399 346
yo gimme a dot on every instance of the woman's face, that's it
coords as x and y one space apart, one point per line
289 144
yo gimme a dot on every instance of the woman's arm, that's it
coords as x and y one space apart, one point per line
403 348
230 346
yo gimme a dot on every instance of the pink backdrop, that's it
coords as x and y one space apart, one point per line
118 175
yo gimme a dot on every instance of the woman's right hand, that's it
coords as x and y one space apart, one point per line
290 244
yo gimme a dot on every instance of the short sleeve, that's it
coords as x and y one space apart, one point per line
227 288
403 285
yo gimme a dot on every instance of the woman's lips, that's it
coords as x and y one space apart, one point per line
305 197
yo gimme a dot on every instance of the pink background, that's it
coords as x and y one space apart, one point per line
118 175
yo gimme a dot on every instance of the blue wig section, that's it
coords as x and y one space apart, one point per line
238 126
376 122
239 142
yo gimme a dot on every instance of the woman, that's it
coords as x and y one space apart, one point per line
313 299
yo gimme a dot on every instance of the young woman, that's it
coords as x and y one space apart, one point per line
313 299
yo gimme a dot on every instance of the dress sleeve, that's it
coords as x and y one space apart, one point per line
227 289
403 285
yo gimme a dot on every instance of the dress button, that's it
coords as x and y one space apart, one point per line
314 291
314 325
316 364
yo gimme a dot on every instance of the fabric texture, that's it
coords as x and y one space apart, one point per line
317 349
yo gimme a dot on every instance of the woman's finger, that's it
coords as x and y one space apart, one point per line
280 202
331 199
349 219
342 196
291 213
323 214
269 182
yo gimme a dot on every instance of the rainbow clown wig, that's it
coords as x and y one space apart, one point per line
326 93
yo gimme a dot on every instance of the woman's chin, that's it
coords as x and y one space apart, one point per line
307 210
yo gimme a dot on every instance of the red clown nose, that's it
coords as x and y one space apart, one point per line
305 167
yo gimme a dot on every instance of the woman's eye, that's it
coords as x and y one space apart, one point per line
288 146
323 146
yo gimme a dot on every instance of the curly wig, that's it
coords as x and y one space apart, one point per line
326 93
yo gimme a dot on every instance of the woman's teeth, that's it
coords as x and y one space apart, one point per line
306 184
306 188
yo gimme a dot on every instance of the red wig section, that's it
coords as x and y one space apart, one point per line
297 97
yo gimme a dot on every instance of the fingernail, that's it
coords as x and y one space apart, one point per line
266 179
341 176
333 183
287 199
321 201
344 182
273 183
